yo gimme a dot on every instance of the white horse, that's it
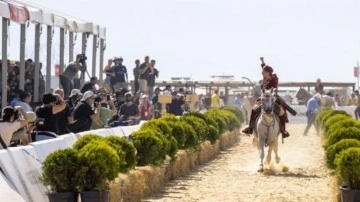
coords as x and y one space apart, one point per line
267 129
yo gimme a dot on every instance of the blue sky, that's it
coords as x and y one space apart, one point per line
302 39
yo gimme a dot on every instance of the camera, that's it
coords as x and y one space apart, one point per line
82 58
97 99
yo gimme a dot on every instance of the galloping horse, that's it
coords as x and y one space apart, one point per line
267 128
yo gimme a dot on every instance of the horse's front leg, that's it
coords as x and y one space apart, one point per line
261 146
275 147
268 156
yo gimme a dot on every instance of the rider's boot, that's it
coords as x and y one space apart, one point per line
283 131
250 128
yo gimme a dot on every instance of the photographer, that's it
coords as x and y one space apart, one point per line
10 124
47 113
71 71
84 115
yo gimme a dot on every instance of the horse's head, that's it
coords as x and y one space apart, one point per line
268 100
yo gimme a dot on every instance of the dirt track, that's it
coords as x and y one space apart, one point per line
232 176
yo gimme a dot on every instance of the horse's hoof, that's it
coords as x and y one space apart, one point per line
277 159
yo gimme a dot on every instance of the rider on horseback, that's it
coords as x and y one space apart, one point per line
269 81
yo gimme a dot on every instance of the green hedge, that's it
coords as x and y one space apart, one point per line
336 148
236 111
334 119
342 133
347 167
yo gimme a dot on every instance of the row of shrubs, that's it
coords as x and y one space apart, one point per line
94 161
342 145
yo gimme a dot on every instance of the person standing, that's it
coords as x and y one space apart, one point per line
357 110
152 78
109 76
352 100
312 108
136 73
68 76
121 75
144 70
215 100
319 87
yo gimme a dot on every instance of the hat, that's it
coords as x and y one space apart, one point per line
128 94
317 96
87 95
75 92
269 69
32 116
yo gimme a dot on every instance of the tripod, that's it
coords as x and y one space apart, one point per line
82 74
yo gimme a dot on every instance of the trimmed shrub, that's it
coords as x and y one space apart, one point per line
336 148
221 123
191 140
342 133
331 114
213 134
232 121
162 128
150 147
178 132
198 125
345 123
236 111
334 119
320 115
84 140
99 165
125 150
169 118
347 167
59 171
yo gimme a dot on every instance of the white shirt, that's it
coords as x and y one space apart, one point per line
7 130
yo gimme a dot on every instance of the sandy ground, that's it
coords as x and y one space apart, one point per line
233 175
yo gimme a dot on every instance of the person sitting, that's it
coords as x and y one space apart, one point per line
129 111
145 112
90 85
270 81
10 124
74 98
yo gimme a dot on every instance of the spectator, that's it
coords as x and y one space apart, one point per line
107 109
151 79
84 114
10 124
74 98
167 90
319 87
337 100
312 108
352 100
121 75
109 77
357 110
237 101
47 113
215 100
156 109
136 73
64 117
144 70
90 85
68 76
145 112
177 104
24 102
129 111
